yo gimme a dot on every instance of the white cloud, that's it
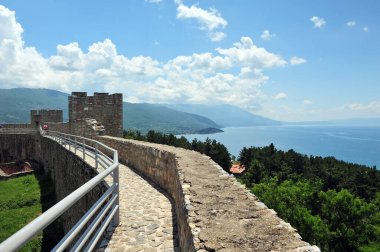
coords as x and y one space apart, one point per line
297 61
280 96
318 22
373 106
310 113
232 74
209 20
351 23
246 53
153 1
307 102
217 36
365 28
266 35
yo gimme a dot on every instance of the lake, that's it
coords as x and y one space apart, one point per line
356 144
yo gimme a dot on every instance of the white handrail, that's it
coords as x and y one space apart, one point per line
21 237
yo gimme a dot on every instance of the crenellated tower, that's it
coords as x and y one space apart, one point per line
106 109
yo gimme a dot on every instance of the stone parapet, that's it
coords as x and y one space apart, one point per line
214 211
61 127
17 126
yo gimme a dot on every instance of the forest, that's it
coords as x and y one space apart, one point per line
333 204
215 150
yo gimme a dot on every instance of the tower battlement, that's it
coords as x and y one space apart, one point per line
105 108
40 116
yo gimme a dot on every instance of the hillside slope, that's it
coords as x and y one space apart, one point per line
15 104
145 117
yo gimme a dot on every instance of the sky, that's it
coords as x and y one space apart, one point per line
289 60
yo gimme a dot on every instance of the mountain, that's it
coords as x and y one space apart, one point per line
144 116
16 103
15 106
225 115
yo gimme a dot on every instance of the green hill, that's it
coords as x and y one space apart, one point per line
15 106
145 117
16 103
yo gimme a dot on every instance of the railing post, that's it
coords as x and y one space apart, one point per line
116 217
84 149
96 155
75 145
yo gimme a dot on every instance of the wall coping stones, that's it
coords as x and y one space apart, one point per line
214 211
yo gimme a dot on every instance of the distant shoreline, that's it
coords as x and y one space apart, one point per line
347 143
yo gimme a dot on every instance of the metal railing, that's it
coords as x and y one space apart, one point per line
97 218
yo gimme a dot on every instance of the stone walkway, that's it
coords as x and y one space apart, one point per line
147 220
147 217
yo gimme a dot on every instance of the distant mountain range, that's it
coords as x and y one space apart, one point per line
225 115
15 106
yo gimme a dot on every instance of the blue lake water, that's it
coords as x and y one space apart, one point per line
352 144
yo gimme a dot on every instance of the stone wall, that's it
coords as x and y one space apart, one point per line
214 211
15 147
68 171
40 116
106 109
17 126
61 127
86 127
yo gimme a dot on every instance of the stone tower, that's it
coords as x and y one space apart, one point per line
106 109
38 117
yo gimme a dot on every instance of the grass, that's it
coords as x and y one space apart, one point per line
22 199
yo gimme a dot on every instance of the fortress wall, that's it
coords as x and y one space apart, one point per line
214 211
17 126
61 127
68 173
18 146
67 170
46 115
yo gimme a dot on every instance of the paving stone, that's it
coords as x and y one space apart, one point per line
150 250
153 226
135 249
156 243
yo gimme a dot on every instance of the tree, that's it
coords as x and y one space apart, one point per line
348 218
291 200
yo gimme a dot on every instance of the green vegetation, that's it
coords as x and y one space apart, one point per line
15 104
333 204
215 150
22 199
